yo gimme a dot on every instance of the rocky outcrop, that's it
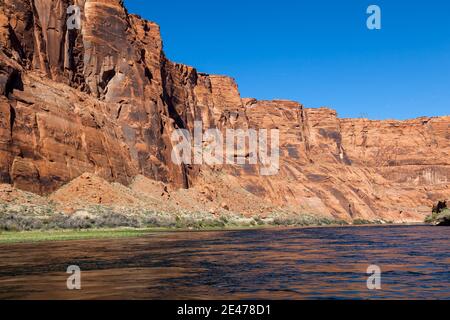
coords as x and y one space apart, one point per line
440 215
104 99
92 101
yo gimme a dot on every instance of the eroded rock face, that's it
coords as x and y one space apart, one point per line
91 100
104 99
352 168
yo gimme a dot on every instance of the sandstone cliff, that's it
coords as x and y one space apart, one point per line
104 99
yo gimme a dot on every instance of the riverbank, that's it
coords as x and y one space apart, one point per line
47 222
88 231
439 218
15 237
11 237
30 222
38 223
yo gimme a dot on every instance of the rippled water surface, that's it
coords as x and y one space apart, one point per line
315 263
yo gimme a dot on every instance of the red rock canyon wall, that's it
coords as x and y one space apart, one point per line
104 99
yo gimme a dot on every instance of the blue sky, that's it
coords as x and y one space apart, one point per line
319 52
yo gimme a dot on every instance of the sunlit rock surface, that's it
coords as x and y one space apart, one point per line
104 99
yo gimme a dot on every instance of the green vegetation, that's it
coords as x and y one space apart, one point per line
9 237
440 215
304 220
45 218
29 223
361 222
439 218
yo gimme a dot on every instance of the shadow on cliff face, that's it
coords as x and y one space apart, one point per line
10 80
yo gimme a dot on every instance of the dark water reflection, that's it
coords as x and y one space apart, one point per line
316 263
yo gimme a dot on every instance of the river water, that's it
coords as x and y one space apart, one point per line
310 263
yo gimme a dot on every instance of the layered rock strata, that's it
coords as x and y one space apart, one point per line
104 99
